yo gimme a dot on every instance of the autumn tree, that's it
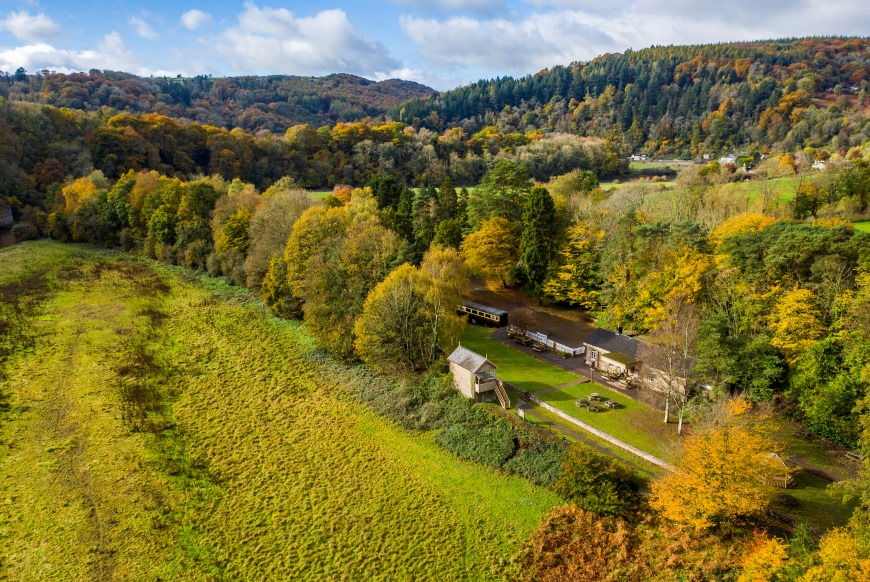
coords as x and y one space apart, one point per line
795 323
576 281
270 228
668 357
409 319
310 232
339 276
491 252
765 560
722 469
536 242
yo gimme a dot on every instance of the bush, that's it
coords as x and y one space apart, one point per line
538 460
595 482
490 444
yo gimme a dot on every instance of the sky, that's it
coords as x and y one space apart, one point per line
440 43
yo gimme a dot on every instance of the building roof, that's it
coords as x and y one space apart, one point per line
610 341
465 358
485 308
619 357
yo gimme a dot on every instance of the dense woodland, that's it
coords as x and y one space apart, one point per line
678 100
271 103
759 300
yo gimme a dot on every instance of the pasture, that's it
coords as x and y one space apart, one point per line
162 425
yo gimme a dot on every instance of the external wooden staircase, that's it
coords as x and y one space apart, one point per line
502 394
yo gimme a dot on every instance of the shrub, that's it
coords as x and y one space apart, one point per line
595 482
537 460
491 444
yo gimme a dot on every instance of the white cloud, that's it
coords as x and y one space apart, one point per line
269 40
540 41
111 54
193 19
562 31
26 26
452 5
143 29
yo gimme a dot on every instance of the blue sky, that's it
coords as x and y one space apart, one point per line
441 43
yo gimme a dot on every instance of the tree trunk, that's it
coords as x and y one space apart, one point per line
667 407
680 423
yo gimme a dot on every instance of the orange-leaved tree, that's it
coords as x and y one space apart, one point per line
723 470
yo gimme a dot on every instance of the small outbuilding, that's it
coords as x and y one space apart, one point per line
784 471
473 374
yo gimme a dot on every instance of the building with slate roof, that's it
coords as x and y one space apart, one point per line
612 352
473 374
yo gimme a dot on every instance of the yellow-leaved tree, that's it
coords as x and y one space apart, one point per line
766 558
740 224
409 319
723 470
796 323
576 280
841 559
493 250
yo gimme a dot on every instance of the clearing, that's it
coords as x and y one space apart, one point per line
164 426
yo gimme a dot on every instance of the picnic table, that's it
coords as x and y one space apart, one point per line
582 402
611 404
595 396
594 408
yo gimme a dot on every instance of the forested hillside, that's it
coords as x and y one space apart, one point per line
273 103
678 100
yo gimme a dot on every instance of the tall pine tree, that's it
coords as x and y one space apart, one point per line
536 244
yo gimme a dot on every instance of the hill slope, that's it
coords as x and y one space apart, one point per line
163 429
273 103
678 99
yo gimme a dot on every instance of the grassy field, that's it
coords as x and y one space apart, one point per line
320 195
862 225
520 369
163 426
781 189
633 422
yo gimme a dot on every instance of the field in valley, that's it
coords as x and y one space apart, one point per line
162 426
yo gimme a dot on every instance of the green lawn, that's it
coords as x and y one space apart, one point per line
520 369
862 225
575 434
320 195
633 422
819 506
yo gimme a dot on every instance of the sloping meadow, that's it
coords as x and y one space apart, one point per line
163 426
